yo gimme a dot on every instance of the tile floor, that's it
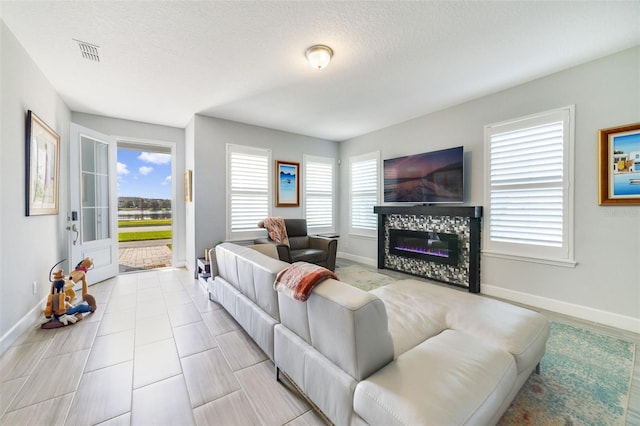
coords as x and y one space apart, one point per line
156 352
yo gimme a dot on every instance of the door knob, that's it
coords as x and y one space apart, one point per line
74 228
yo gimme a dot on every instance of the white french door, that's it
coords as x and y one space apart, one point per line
92 221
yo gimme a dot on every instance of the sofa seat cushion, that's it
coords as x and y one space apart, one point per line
431 308
308 255
450 379
412 319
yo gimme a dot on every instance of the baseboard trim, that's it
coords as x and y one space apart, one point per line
359 259
611 319
29 320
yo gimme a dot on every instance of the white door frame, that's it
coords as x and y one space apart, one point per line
144 144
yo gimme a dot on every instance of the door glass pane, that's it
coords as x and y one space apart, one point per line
94 169
102 188
88 189
102 223
88 224
102 158
88 155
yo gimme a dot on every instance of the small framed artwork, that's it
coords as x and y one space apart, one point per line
188 176
619 165
42 167
287 184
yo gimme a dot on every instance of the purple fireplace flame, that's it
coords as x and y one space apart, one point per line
432 246
430 252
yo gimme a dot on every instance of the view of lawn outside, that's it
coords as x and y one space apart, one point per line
144 233
144 207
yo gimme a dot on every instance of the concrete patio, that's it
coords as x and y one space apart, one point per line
141 255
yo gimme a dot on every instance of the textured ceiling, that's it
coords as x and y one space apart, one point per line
163 62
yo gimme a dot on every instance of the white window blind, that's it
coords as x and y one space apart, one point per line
529 170
319 193
248 190
364 193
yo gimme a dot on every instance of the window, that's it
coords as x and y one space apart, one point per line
529 201
319 193
363 185
248 190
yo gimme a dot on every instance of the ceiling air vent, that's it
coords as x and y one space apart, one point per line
89 51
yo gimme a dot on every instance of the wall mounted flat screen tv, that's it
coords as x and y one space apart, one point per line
430 177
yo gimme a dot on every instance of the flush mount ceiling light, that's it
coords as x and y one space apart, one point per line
319 56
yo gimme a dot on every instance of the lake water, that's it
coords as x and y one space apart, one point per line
144 214
622 186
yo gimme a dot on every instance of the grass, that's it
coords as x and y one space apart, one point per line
149 222
143 236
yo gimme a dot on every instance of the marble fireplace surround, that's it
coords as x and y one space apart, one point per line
464 221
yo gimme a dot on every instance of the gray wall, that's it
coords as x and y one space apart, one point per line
29 246
605 284
206 155
603 287
135 131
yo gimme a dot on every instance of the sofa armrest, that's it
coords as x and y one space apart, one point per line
345 324
212 262
284 253
330 245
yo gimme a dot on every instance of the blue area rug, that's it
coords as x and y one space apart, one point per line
584 380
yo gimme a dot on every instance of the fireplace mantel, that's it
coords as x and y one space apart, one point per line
409 216
461 211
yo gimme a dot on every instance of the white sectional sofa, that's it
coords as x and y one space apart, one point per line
242 282
408 353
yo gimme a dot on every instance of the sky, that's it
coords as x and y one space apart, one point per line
627 143
144 174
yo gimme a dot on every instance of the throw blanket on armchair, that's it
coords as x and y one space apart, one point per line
276 229
297 280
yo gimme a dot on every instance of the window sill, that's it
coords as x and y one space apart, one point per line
363 236
565 263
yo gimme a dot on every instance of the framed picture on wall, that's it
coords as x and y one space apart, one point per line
619 165
42 169
287 184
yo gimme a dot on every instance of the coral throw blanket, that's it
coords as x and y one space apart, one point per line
297 280
276 229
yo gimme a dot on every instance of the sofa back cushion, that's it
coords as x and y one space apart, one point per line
420 310
345 324
252 273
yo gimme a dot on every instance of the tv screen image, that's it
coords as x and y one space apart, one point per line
430 177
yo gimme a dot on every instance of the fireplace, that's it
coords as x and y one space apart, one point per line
440 243
436 247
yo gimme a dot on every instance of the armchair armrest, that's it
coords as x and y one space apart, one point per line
284 253
330 245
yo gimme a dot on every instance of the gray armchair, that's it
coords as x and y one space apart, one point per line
302 247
